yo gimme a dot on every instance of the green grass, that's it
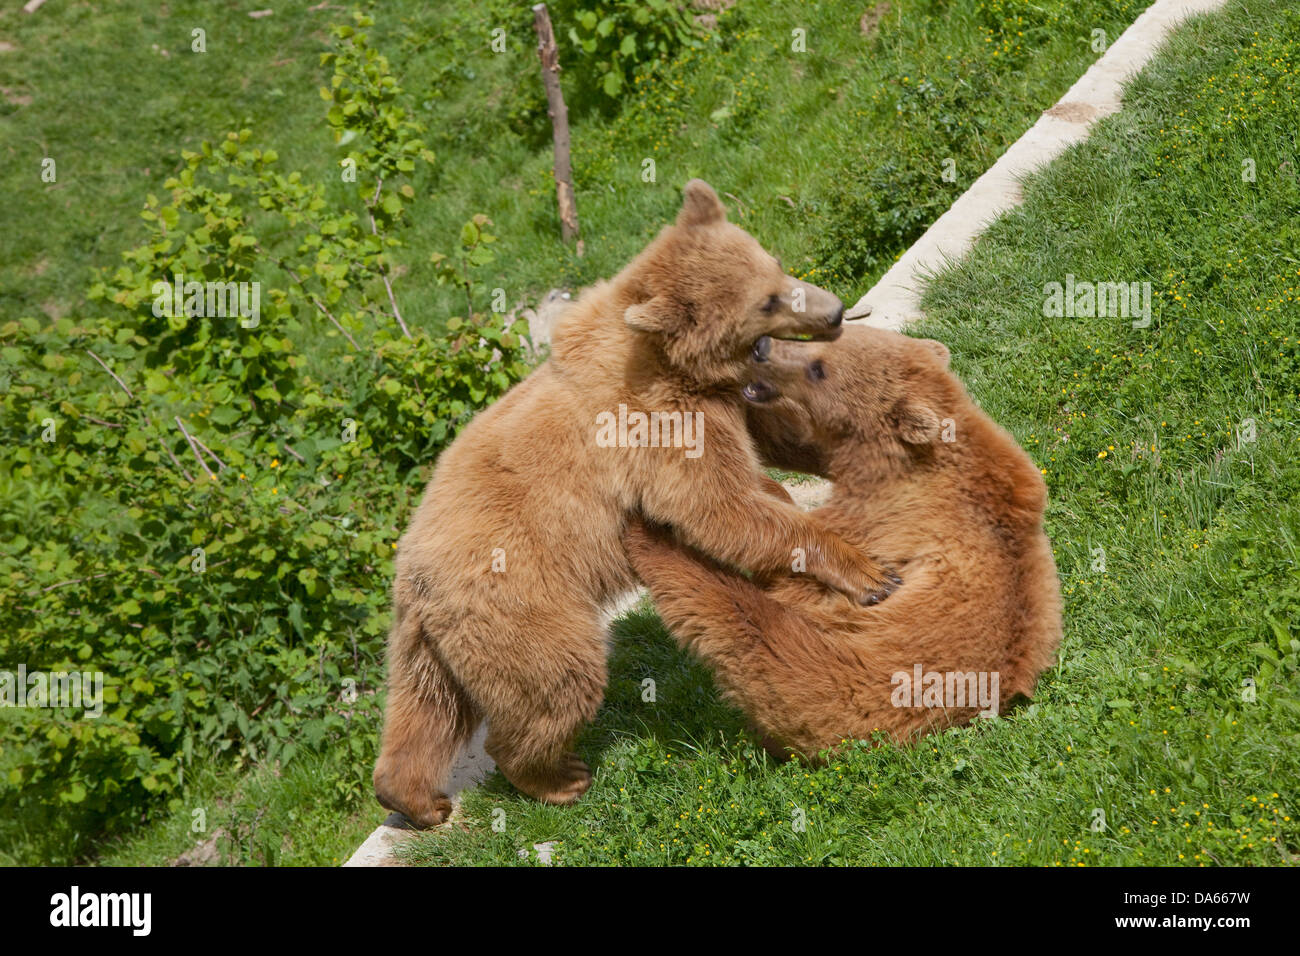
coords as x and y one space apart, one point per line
310 813
831 158
809 144
1144 719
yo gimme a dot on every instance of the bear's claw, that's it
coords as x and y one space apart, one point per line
872 598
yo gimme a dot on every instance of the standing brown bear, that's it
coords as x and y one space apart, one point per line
502 576
925 480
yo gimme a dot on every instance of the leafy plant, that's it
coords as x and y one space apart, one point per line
221 508
615 37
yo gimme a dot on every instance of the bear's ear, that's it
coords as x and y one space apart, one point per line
655 315
700 205
938 348
917 424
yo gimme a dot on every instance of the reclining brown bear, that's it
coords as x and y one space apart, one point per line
925 481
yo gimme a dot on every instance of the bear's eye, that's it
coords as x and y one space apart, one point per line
816 371
772 304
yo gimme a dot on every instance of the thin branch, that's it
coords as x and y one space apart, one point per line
111 372
294 453
163 441
469 300
193 448
220 464
63 584
99 421
176 461
383 273
315 301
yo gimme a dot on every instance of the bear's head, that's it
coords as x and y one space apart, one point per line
872 389
705 291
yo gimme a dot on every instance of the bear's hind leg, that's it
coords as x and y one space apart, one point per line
531 735
550 779
427 722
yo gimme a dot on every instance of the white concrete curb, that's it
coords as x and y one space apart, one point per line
895 299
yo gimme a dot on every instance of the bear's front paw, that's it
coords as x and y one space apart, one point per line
874 596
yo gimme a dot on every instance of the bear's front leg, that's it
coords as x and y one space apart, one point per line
727 514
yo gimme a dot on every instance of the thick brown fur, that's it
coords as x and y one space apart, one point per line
961 519
516 548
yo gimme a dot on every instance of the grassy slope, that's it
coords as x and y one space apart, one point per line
1144 718
113 94
800 141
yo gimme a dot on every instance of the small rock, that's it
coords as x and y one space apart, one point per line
541 320
870 21
204 854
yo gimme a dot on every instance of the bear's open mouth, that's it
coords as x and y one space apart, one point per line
763 344
829 335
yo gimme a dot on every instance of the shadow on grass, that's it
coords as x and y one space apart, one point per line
655 691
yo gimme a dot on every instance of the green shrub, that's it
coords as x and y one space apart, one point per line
218 505
608 40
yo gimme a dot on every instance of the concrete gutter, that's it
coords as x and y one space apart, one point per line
895 299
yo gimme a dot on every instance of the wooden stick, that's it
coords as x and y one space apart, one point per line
549 54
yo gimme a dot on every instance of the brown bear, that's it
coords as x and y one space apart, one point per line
924 480
516 548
